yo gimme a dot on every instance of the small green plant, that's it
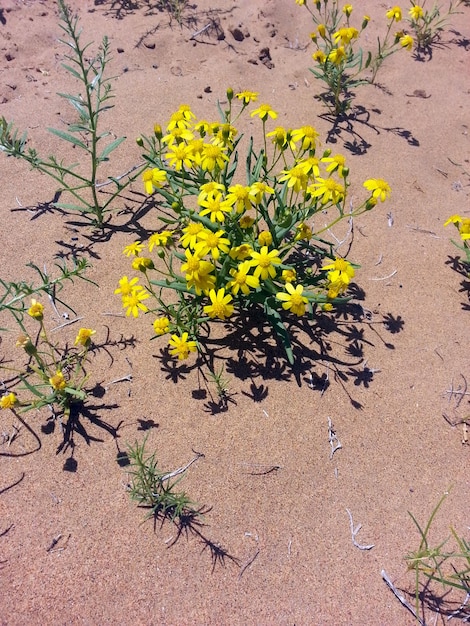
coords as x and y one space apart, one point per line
52 375
156 490
427 24
226 245
222 386
85 134
463 226
340 62
450 568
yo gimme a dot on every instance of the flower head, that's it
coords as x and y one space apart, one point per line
339 275
248 96
337 55
126 286
84 336
220 306
416 12
215 207
296 178
57 381
289 275
181 155
211 242
181 347
345 35
406 42
36 310
213 158
394 14
190 235
8 401
153 179
133 302
379 188
328 189
142 264
242 280
307 135
347 9
239 197
159 239
263 112
293 300
463 225
133 249
161 325
264 262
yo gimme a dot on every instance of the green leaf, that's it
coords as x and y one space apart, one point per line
70 70
68 137
281 331
110 147
73 207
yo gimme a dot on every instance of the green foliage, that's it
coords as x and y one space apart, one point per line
156 490
428 24
85 134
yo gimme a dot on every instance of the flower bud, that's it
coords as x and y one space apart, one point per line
157 129
230 94
321 30
139 141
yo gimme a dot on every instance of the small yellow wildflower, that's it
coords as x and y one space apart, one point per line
295 177
181 155
181 347
8 401
215 206
161 326
246 221
239 253
416 12
212 242
345 35
337 163
239 197
394 14
347 9
213 158
319 56
379 188
178 136
248 96
264 262
58 381
265 238
36 310
307 135
303 232
159 239
293 300
406 42
321 30
263 112
220 306
339 274
241 280
153 179
133 249
258 189
463 225
310 165
190 235
289 275
142 264
133 302
126 286
209 189
328 190
337 55
84 337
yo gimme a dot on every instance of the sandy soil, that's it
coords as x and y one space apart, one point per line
276 546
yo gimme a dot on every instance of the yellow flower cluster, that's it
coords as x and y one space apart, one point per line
462 224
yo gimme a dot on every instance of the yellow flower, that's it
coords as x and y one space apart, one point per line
133 249
203 281
337 55
264 262
178 136
36 310
328 189
257 189
337 163
416 12
212 158
142 264
203 128
300 2
84 336
215 207
345 35
282 138
339 274
181 118
463 225
248 96
303 232
321 30
242 280
379 188
239 253
319 56
209 189
406 42
190 235
133 302
293 300
347 9
213 243
239 197
181 155
153 179
58 381
310 165
246 221
394 14
307 135
159 239
181 347
126 286
295 177
289 276
263 112
219 307
8 401
265 238
161 326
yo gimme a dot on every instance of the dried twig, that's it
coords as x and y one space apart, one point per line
335 443
400 597
385 277
181 470
354 532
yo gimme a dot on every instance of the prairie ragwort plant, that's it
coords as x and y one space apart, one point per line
228 245
85 134
427 24
51 375
463 226
340 61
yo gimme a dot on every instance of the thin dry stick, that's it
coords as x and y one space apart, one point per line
385 277
77 319
400 597
335 443
181 470
354 532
